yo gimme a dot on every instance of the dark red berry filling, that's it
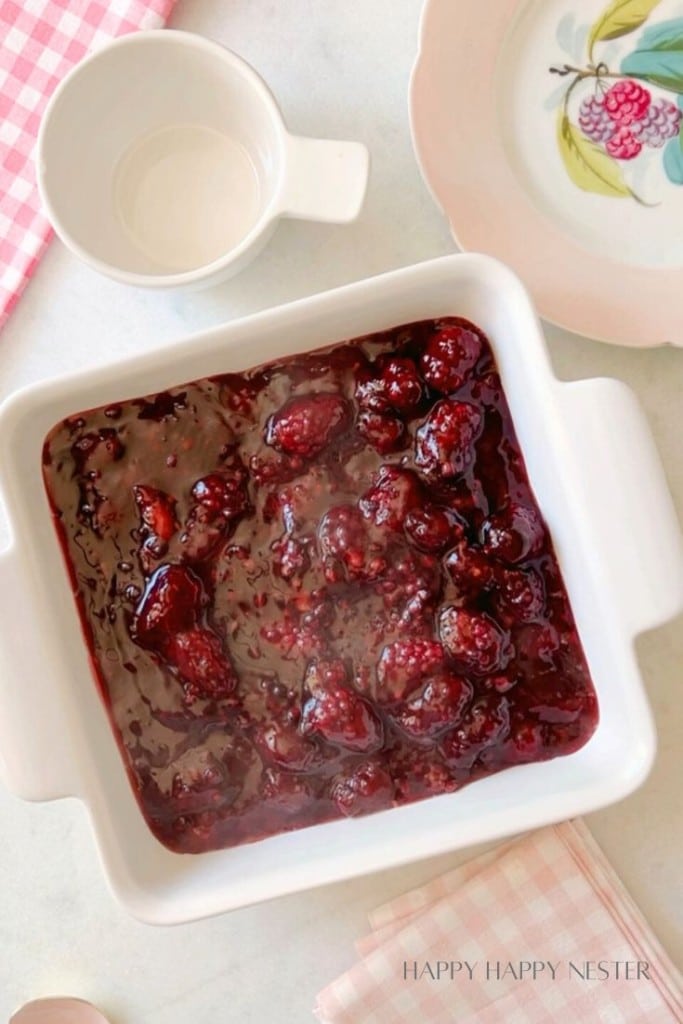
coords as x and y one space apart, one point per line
319 588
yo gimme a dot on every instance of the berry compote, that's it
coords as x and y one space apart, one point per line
318 588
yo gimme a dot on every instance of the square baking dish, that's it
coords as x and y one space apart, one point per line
598 481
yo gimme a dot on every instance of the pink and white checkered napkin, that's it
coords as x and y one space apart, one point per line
40 40
550 896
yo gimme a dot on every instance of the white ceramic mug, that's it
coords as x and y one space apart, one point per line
163 161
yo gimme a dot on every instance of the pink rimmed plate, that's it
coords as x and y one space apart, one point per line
572 176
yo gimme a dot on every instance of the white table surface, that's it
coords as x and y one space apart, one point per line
339 69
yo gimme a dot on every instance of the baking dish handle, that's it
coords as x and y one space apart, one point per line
34 753
633 508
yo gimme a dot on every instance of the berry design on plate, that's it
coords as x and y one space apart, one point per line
594 121
661 122
623 145
613 116
625 102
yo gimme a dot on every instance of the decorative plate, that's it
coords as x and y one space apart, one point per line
549 131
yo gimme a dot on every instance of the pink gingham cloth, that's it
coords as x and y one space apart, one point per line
550 896
40 40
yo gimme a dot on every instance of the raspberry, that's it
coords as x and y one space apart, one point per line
171 603
474 641
513 534
384 433
282 745
403 663
437 708
371 393
627 101
623 145
305 425
487 722
342 534
661 122
431 528
470 570
197 656
157 511
519 597
418 775
294 636
410 588
324 674
594 121
449 357
444 444
220 501
290 558
343 717
393 493
402 384
222 495
367 788
345 548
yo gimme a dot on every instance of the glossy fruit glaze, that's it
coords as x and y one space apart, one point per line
318 588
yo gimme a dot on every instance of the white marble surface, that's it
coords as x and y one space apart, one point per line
342 70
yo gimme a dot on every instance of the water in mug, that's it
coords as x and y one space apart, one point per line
186 194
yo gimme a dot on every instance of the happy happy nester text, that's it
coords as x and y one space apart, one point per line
525 970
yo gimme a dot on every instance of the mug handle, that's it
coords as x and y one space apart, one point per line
325 179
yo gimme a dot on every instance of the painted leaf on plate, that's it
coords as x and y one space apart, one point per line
673 155
659 56
589 166
673 161
618 19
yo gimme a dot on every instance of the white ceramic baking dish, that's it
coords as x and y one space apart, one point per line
598 480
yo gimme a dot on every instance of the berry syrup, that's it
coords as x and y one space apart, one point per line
319 588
